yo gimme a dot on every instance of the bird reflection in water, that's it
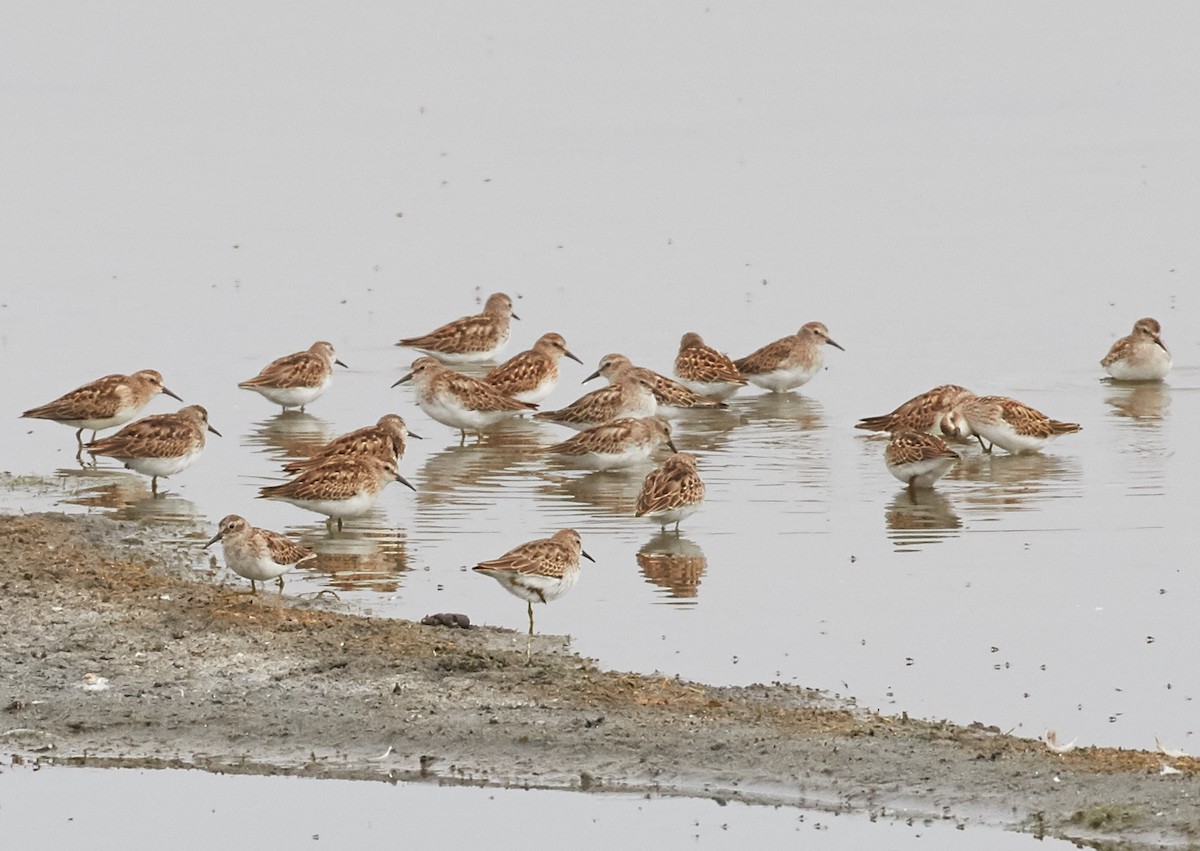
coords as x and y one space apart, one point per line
675 564
789 410
614 491
290 434
1145 403
918 518
457 474
126 496
360 559
1017 482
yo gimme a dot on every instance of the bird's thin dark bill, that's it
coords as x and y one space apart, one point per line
405 482
214 431
595 374
413 433
588 557
339 363
173 396
572 357
835 345
402 380
213 540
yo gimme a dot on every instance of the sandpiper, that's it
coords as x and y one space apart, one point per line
617 444
159 445
531 375
1004 422
257 554
345 486
671 492
923 412
104 403
1142 356
705 370
458 400
387 440
672 397
539 571
471 339
918 459
631 395
294 380
789 362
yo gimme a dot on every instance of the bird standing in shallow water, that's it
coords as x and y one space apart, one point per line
1142 356
470 339
104 403
918 459
294 380
458 400
671 492
789 362
159 445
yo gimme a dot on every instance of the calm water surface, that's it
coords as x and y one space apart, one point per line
962 195
93 807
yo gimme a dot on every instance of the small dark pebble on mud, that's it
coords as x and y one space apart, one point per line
447 619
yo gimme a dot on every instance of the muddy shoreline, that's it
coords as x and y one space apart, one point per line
201 675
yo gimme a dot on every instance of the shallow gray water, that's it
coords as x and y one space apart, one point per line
74 808
978 196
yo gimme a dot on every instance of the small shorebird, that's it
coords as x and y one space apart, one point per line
104 403
671 492
458 400
1142 356
539 571
705 370
531 375
386 440
671 396
788 362
159 445
294 380
922 413
257 554
617 444
1004 422
345 486
918 459
470 339
631 395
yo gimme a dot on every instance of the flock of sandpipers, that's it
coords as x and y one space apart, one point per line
619 426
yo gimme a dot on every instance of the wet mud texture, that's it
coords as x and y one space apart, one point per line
202 675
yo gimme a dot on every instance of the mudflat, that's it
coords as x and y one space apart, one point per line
205 675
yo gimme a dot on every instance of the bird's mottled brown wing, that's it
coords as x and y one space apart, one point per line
543 557
700 363
909 447
302 369
1120 351
99 399
920 412
479 396
284 550
340 478
520 373
766 359
602 438
477 333
158 436
668 392
587 408
368 441
670 486
1032 422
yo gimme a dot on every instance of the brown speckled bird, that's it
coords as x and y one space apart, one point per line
923 412
387 440
159 445
104 403
257 554
294 380
531 375
671 492
918 459
789 362
469 339
705 370
1005 422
